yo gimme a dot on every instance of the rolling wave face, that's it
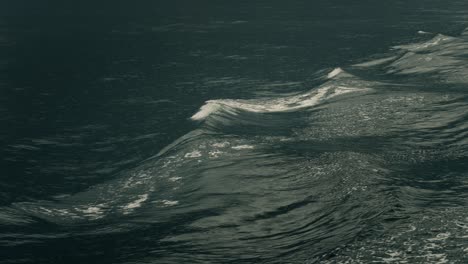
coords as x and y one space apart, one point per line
442 58
344 181
341 83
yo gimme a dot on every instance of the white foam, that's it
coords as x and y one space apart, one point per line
438 39
221 145
137 203
169 202
343 90
206 110
375 62
439 237
193 154
423 32
282 104
215 153
334 73
174 179
240 147
92 210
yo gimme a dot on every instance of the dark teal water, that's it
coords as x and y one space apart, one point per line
234 132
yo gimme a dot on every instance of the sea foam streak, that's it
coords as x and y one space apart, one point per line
339 84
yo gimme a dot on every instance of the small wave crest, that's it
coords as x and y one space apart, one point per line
334 73
435 41
441 58
334 87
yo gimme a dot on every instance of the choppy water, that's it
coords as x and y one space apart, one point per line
235 133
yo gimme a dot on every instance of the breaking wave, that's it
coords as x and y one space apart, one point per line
341 83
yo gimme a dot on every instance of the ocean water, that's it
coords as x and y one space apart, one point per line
234 131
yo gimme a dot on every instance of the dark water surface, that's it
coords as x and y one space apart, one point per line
234 132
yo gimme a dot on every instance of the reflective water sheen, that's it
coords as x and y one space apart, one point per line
344 140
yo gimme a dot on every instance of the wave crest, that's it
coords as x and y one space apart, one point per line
341 83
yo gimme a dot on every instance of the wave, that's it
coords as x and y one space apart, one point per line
438 237
154 186
341 83
441 58
436 41
341 183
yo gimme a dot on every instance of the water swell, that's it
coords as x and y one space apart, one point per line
347 184
341 83
441 58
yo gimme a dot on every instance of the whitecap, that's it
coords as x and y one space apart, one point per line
215 153
240 147
169 202
193 154
423 32
221 144
92 210
437 40
136 203
174 179
375 62
334 73
205 111
281 104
